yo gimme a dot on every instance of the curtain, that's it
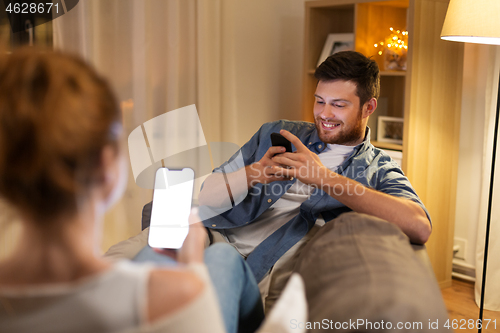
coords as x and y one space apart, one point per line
10 229
492 289
159 56
240 62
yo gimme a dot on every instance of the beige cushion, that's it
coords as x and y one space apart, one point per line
358 267
274 281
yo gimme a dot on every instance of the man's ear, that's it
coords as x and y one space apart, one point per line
369 107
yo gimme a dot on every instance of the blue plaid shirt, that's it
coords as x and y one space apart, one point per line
368 165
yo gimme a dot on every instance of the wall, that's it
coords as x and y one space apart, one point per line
262 47
262 53
472 138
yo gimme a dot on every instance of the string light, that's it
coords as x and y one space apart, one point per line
397 41
394 48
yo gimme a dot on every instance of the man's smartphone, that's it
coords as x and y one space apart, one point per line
279 140
172 198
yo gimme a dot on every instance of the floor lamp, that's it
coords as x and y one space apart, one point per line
477 21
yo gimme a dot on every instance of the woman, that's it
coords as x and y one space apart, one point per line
62 167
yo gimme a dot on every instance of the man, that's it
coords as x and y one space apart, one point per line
334 169
359 271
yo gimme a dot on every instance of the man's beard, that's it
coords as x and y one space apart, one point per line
346 136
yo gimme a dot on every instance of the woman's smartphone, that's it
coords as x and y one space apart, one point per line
279 140
172 198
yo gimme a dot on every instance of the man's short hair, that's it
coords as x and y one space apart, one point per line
355 67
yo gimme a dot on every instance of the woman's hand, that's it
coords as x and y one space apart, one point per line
194 244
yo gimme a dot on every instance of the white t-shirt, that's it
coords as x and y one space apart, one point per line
245 239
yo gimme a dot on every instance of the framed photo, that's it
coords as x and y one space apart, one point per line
336 43
390 129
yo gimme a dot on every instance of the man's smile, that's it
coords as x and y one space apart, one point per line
326 125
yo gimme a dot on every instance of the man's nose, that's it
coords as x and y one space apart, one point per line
327 112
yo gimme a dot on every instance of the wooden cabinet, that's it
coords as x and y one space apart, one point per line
370 23
427 95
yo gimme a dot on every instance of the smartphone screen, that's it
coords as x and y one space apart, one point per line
172 198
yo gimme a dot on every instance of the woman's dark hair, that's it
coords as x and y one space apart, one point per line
56 116
355 67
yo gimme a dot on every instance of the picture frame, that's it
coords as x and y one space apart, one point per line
390 129
335 43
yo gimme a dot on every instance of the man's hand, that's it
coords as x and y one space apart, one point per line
302 164
307 167
217 186
266 170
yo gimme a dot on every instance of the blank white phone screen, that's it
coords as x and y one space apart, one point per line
171 207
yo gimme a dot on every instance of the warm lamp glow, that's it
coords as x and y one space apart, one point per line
472 21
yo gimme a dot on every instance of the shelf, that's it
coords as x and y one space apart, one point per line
392 73
382 73
387 145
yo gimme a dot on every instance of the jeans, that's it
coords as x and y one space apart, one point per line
234 283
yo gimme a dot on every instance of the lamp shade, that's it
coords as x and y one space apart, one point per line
472 21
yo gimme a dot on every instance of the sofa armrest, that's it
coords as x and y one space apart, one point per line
423 256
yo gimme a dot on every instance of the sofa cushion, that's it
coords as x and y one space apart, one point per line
358 267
